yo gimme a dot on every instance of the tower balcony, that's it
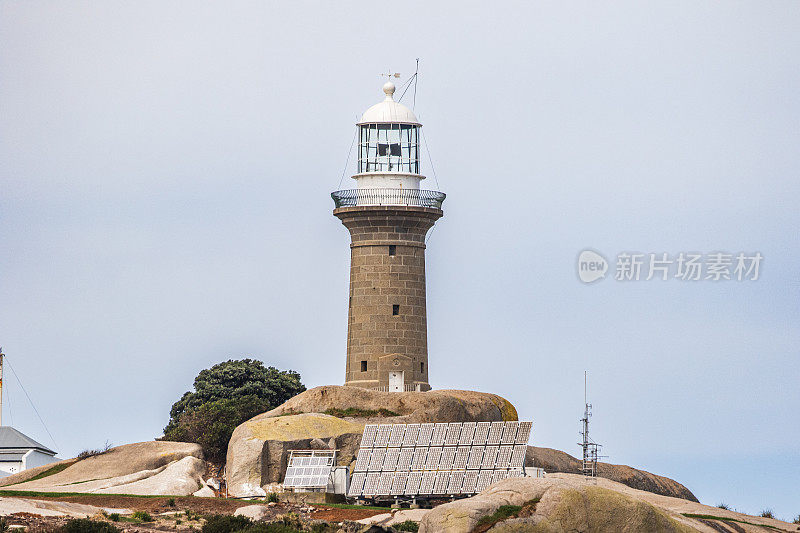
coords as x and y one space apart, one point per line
405 197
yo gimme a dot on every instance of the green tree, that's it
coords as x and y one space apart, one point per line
224 396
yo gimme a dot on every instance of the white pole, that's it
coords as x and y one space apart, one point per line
1 385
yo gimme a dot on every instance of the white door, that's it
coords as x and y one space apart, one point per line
396 381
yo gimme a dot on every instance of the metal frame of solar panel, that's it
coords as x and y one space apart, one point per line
309 469
430 459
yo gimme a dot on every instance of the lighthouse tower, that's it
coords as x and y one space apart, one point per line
388 216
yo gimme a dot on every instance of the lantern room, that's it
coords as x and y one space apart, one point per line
388 146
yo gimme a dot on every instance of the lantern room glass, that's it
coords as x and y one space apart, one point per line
388 148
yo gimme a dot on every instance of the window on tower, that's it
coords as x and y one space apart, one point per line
396 309
392 249
422 367
363 366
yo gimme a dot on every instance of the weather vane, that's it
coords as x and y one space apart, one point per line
391 74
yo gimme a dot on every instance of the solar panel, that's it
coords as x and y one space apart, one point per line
499 475
439 434
447 458
362 462
413 483
428 479
467 432
418 461
455 482
462 454
470 480
396 435
524 432
495 432
518 456
489 457
509 433
357 484
410 438
432 461
481 432
484 480
475 457
371 483
376 459
382 437
309 468
385 483
442 479
425 434
399 483
424 459
368 437
404 462
390 462
453 434
504 457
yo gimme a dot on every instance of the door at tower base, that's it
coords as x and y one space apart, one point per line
396 383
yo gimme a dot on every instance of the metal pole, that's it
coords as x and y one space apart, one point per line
1 385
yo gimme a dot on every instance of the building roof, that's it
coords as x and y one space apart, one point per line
11 439
389 111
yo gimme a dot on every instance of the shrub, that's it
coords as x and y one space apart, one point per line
408 525
114 517
272 497
723 505
85 454
85 525
171 502
797 520
226 524
4 527
767 513
226 395
143 516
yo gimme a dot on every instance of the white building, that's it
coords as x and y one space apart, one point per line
19 452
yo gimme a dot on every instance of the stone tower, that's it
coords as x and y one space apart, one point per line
388 216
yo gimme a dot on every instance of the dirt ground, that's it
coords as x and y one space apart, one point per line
174 517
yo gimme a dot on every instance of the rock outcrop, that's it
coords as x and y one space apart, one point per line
258 449
431 406
569 502
557 461
144 468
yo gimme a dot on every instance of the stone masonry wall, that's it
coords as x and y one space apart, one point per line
378 282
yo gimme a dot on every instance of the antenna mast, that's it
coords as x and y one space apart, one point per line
589 447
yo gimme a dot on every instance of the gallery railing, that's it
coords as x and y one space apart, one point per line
409 197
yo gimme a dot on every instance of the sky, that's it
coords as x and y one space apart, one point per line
165 171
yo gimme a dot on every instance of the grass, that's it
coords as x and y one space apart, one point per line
504 512
408 525
49 472
354 412
723 519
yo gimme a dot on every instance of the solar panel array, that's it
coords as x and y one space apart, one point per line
309 469
437 459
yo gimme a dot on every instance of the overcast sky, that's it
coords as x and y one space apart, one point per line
165 170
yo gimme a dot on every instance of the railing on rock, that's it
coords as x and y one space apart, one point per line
407 197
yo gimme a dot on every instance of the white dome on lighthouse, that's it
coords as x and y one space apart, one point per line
389 111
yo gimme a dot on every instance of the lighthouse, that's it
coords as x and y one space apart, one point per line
388 215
